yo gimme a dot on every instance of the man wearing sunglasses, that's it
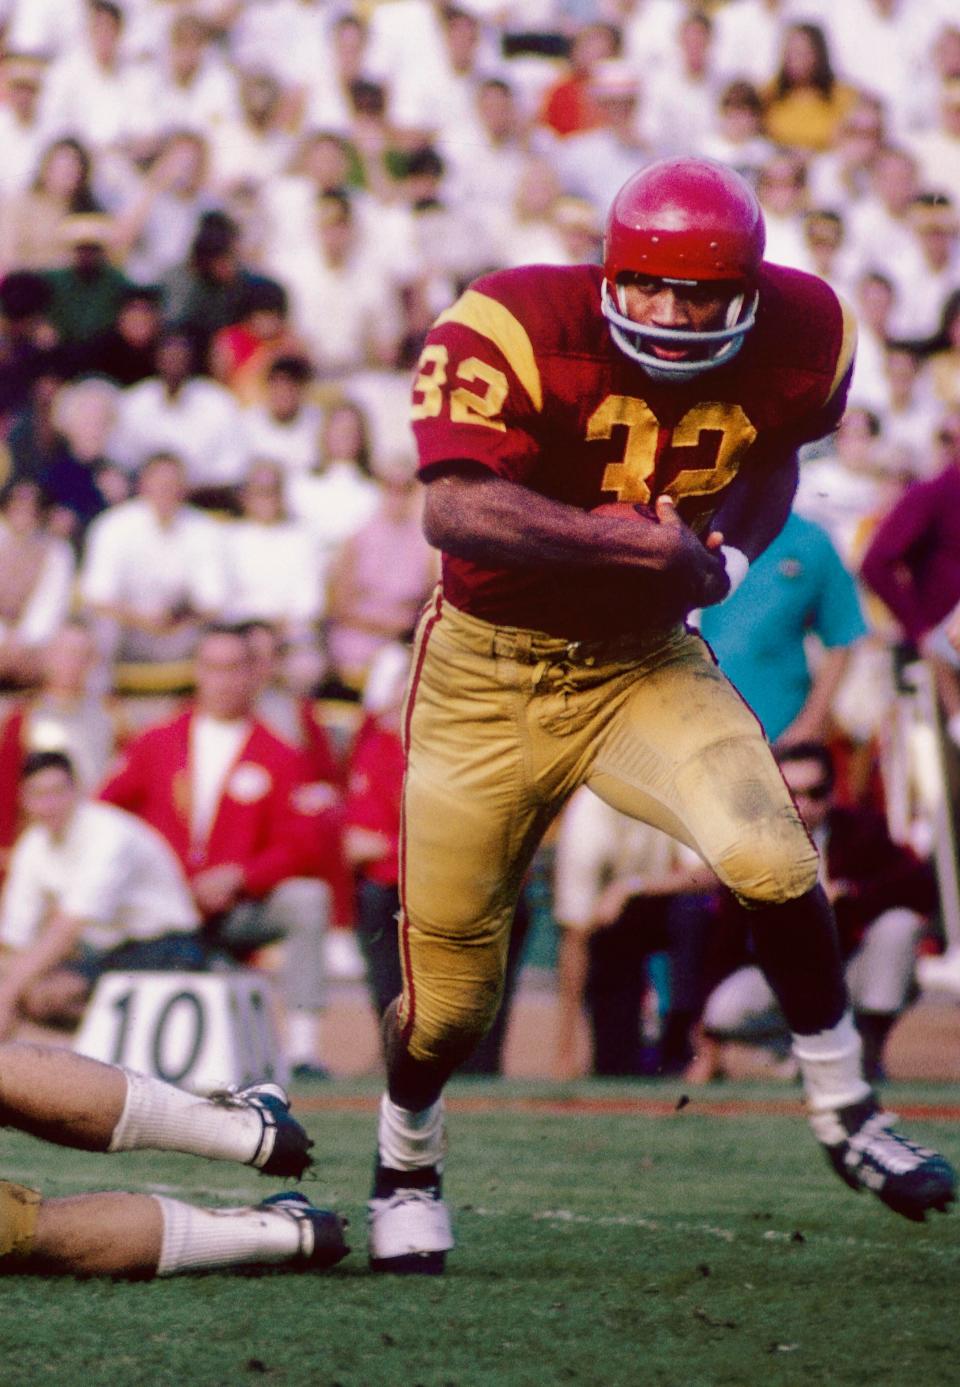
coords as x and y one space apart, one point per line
880 892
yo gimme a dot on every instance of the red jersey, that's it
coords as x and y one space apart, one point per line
522 376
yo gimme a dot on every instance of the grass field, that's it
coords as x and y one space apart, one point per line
613 1241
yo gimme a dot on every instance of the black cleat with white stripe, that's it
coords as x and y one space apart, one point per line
871 1155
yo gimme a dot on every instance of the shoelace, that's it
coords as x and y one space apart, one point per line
894 1153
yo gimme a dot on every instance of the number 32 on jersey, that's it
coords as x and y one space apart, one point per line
628 479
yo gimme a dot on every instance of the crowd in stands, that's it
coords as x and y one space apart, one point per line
225 227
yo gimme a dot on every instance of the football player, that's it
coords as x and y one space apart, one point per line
605 449
75 1101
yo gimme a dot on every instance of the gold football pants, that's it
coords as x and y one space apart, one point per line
501 726
19 1208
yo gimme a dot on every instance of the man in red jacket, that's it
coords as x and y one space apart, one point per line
259 844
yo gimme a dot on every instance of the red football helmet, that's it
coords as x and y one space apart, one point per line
683 221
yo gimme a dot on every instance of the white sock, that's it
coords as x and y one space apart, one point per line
411 1140
831 1063
156 1116
303 1036
195 1238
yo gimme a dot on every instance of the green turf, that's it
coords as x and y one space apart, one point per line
693 1250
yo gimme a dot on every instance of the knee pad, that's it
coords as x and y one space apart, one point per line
772 867
438 1026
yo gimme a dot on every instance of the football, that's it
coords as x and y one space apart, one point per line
626 508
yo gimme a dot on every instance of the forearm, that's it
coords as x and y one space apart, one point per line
498 523
54 945
813 718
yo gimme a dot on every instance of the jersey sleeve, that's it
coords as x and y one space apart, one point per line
478 393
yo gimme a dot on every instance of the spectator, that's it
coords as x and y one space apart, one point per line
684 90
880 231
253 148
913 561
841 175
153 570
284 704
881 893
345 305
244 351
911 413
125 352
931 272
36 581
90 889
806 103
63 714
824 233
797 587
260 849
80 479
339 493
381 577
33 442
737 138
938 150
272 562
94 90
568 105
212 292
88 290
782 190
848 489
594 163
23 129
372 815
26 339
158 221
179 411
622 892
945 357
192 88
286 425
30 228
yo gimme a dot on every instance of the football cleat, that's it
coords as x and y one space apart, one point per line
870 1155
408 1222
320 1230
284 1149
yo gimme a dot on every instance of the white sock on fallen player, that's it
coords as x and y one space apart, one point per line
156 1116
831 1063
411 1140
196 1239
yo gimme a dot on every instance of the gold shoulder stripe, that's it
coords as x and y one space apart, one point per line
847 346
495 322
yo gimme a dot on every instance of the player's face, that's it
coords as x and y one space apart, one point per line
692 307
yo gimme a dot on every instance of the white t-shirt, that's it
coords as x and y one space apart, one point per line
273 572
215 745
111 870
596 845
130 559
200 424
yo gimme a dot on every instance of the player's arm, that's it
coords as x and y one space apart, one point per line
476 515
756 505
